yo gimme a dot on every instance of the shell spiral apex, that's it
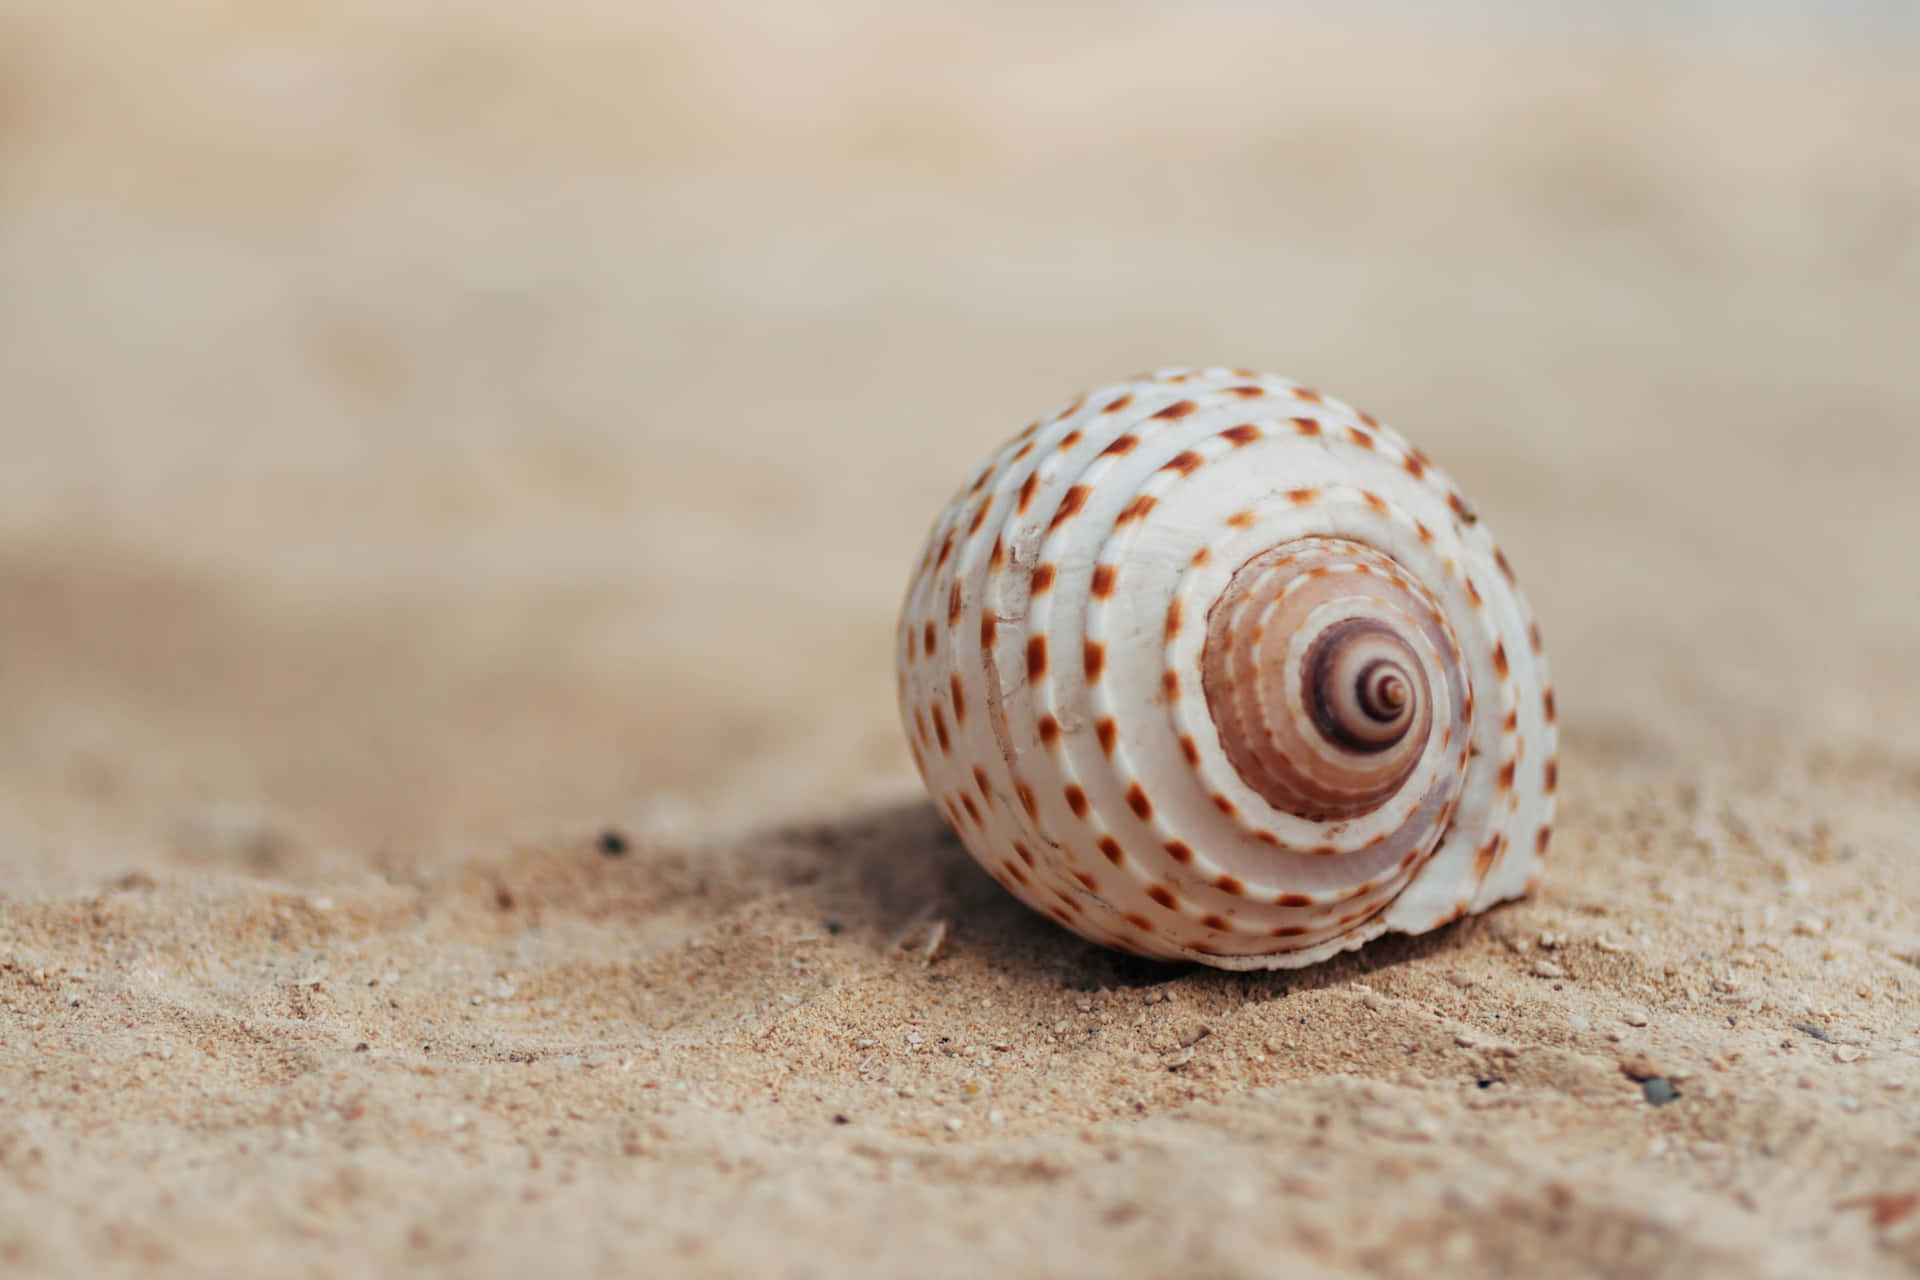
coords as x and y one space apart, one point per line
1208 666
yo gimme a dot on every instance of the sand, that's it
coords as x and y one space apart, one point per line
460 468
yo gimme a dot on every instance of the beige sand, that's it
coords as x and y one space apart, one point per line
431 441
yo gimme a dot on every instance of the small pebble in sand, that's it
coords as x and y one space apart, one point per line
613 843
1849 1053
1547 969
1578 1023
1194 1033
1644 1066
1634 1017
954 1123
1659 1091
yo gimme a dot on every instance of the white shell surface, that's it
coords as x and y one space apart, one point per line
1050 677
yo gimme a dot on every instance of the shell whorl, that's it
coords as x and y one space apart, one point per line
1210 666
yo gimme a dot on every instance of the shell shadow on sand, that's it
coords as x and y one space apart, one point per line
891 873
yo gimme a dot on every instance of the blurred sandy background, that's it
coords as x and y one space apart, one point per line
436 434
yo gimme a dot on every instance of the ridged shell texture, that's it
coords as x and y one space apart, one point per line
1208 666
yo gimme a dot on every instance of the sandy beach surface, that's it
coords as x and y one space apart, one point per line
458 468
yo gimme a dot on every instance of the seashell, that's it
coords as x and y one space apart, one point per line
1208 666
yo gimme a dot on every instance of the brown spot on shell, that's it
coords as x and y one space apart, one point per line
1361 438
1230 885
959 697
1460 507
1500 658
1216 923
1136 509
1138 802
1043 575
1087 882
1102 585
1415 465
1199 558
999 556
1473 593
1013 869
1070 506
1164 896
1177 410
1483 859
1027 487
1533 636
979 518
1546 701
1241 519
1076 800
1118 403
1139 922
973 811
1106 731
1553 775
1186 462
1179 851
1308 394
953 603
1170 683
1094 656
1300 497
946 551
1036 657
930 638
1307 426
1500 558
1374 502
1173 619
1027 802
1426 534
1288 931
1267 838
1224 805
980 782
1246 393
940 728
1540 839
1244 434
1049 731
1189 749
1512 722
1293 900
989 627
1111 851
1021 453
1506 776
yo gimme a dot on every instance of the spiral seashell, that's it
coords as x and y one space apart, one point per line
1209 666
